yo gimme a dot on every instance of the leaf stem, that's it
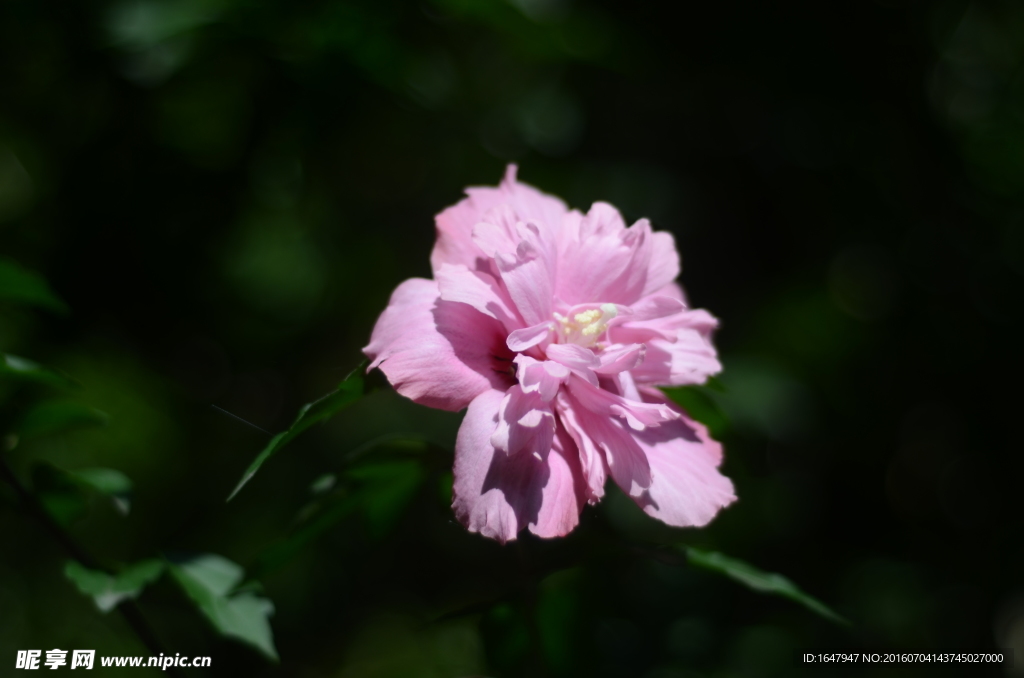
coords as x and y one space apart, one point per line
128 609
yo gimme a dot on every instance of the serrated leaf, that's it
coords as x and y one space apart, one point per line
764 582
349 391
22 286
108 590
56 416
209 581
15 367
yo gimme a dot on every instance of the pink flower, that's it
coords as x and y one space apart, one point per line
554 327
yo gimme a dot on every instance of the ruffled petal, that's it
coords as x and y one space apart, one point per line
581 361
603 403
528 337
600 260
687 489
525 425
591 459
600 436
564 493
664 264
529 272
498 495
617 359
479 290
679 348
672 290
438 353
494 234
652 307
543 377
455 243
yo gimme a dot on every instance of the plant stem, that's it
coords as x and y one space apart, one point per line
128 608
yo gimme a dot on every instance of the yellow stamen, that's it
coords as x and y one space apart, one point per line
584 327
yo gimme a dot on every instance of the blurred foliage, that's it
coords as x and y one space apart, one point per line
66 494
225 193
55 416
212 582
107 590
22 286
13 367
758 580
311 413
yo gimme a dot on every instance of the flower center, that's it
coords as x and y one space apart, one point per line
584 328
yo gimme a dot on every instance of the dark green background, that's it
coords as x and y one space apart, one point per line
225 194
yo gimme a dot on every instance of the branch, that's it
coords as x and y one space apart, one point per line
129 609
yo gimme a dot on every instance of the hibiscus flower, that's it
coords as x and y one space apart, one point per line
555 327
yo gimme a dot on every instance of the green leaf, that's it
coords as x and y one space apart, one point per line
209 581
56 416
22 286
380 489
107 590
764 582
349 391
699 404
64 494
108 482
319 519
386 489
62 497
212 573
14 367
323 484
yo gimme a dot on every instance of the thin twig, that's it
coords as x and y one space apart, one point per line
244 421
128 608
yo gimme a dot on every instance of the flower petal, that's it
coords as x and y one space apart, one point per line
493 235
615 359
600 260
679 348
651 307
600 436
604 403
664 264
438 353
580 360
573 356
543 377
497 494
529 272
479 290
564 493
687 487
455 243
526 338
672 290
591 458
525 424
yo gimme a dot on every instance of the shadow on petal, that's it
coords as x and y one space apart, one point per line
521 478
477 340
